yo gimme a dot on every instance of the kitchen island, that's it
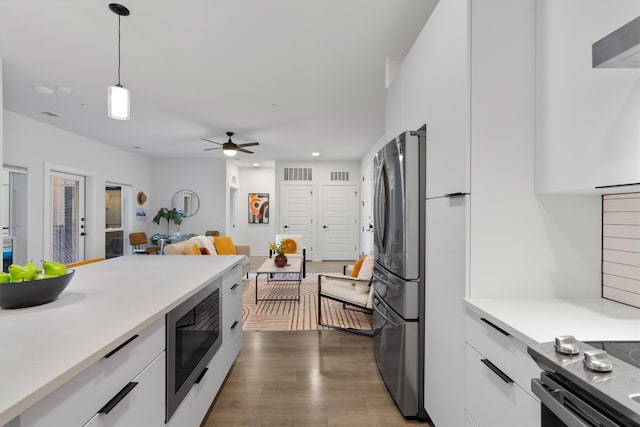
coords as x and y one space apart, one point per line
105 304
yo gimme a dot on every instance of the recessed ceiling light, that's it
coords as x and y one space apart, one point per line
64 90
315 154
256 164
44 90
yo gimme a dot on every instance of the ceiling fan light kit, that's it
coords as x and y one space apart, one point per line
230 148
118 97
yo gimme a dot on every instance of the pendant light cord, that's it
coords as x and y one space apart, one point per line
119 50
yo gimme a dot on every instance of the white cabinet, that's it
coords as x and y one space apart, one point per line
197 402
75 402
139 403
498 374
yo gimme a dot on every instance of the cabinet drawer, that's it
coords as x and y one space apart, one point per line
232 277
506 351
79 399
491 401
143 405
232 324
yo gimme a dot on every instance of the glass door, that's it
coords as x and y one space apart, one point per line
67 217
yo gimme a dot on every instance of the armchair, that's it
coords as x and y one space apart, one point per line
295 248
349 290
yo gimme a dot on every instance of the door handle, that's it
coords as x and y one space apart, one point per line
324 226
286 226
83 234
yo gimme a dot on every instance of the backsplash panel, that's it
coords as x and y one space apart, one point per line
621 248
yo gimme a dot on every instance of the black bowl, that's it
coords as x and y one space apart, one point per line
33 292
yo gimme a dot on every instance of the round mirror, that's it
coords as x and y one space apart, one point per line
187 201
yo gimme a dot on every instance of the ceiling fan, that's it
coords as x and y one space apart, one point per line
230 148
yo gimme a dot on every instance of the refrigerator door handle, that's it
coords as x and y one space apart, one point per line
375 308
378 209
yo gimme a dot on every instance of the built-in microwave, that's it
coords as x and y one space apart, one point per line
194 334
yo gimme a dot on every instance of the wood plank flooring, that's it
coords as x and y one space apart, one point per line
305 378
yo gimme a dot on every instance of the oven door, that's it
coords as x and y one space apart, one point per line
561 407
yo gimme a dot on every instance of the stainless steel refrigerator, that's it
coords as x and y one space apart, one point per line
399 250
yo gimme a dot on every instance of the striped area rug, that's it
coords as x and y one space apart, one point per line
291 315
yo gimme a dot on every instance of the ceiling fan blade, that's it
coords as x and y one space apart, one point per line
242 150
212 148
208 140
248 144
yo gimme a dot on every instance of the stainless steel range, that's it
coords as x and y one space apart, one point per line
588 383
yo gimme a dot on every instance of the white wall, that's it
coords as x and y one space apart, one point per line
588 129
205 177
29 143
233 180
256 180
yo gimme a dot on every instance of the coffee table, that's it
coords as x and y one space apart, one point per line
293 268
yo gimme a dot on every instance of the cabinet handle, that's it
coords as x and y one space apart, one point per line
494 326
117 398
459 194
234 324
201 375
235 286
120 347
235 266
504 377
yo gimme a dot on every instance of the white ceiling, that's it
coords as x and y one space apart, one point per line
296 75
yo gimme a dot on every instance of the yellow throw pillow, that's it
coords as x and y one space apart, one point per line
290 246
224 245
191 248
356 267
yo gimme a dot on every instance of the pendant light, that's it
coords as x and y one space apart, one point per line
118 99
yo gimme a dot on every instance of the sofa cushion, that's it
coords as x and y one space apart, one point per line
204 242
191 248
356 267
366 270
224 245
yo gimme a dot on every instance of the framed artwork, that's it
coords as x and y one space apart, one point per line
258 208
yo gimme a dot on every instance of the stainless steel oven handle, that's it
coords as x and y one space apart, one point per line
376 302
558 402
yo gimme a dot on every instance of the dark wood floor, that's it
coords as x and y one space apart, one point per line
304 378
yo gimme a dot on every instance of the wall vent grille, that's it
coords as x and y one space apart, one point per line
339 176
297 174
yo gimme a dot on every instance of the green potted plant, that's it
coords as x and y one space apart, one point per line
171 215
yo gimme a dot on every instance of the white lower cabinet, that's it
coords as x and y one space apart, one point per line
493 401
75 402
139 403
498 377
197 402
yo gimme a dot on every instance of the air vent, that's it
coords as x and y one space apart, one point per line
52 114
339 176
297 174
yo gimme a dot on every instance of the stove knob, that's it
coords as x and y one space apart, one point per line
597 360
567 344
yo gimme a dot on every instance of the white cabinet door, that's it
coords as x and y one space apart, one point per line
444 311
493 401
140 403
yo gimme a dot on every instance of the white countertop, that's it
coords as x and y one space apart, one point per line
541 320
43 347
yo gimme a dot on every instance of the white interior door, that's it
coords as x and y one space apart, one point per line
67 217
296 208
339 222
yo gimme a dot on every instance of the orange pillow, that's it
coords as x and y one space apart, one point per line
356 267
190 248
290 246
224 245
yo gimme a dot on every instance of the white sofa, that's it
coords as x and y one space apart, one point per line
186 248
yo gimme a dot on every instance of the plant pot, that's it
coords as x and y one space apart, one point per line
280 260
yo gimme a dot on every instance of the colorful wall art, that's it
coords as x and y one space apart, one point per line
258 208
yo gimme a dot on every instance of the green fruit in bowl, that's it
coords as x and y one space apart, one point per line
4 277
34 267
18 273
53 268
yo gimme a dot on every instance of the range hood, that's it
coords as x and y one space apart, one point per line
620 49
